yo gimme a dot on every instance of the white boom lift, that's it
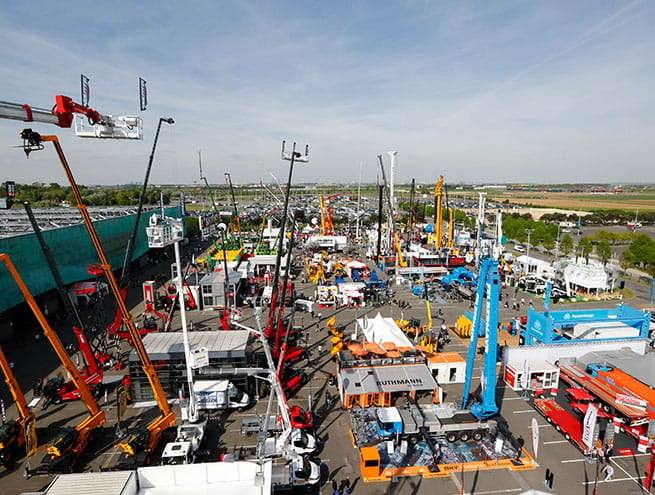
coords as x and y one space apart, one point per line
88 122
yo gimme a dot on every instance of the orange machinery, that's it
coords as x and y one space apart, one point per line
137 445
70 442
13 432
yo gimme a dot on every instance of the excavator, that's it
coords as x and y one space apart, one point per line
62 455
13 432
143 440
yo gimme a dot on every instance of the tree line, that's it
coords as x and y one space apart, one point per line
53 195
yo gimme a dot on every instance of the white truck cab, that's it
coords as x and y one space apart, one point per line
219 394
177 453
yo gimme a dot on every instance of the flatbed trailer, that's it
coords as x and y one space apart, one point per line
634 419
563 421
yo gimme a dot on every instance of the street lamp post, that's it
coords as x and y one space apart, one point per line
292 158
131 241
529 232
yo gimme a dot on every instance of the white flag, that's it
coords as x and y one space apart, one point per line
535 437
588 426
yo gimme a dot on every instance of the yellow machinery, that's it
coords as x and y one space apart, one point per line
438 212
70 443
327 227
148 439
399 251
13 432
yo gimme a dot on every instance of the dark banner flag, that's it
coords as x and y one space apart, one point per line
143 94
84 88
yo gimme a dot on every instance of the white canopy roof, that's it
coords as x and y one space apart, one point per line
381 329
589 276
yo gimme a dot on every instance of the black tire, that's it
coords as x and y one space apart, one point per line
56 400
567 436
607 408
477 435
451 437
558 427
464 436
549 419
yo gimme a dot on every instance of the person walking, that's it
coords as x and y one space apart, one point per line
346 488
521 443
609 472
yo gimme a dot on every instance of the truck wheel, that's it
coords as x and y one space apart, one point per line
558 427
477 435
57 400
464 436
567 436
451 437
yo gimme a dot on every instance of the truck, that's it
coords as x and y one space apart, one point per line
444 421
298 472
187 442
219 394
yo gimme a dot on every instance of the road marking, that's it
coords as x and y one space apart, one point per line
572 460
609 481
638 482
555 441
524 411
489 492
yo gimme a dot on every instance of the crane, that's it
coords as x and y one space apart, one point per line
438 212
13 433
390 213
147 439
489 289
63 114
71 442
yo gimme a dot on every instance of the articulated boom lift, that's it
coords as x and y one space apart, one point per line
63 113
489 289
13 432
327 227
148 438
69 444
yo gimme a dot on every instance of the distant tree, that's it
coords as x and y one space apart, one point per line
549 242
626 261
584 248
566 245
604 251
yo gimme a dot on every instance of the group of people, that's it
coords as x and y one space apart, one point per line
343 488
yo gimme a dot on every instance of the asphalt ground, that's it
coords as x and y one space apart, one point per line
572 473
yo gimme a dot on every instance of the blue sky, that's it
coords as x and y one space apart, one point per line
477 91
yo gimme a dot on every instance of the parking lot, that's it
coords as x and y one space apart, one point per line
572 473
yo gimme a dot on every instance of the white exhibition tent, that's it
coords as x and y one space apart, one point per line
380 329
588 276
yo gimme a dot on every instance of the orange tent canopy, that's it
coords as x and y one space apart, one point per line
389 346
394 354
374 348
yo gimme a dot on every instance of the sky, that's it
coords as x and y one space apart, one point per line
558 91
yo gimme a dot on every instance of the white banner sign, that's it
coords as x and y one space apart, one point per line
588 426
535 437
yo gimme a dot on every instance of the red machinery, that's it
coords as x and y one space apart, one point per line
71 442
138 444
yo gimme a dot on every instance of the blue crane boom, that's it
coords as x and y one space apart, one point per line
489 289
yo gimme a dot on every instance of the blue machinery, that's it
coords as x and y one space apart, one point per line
489 289
555 327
